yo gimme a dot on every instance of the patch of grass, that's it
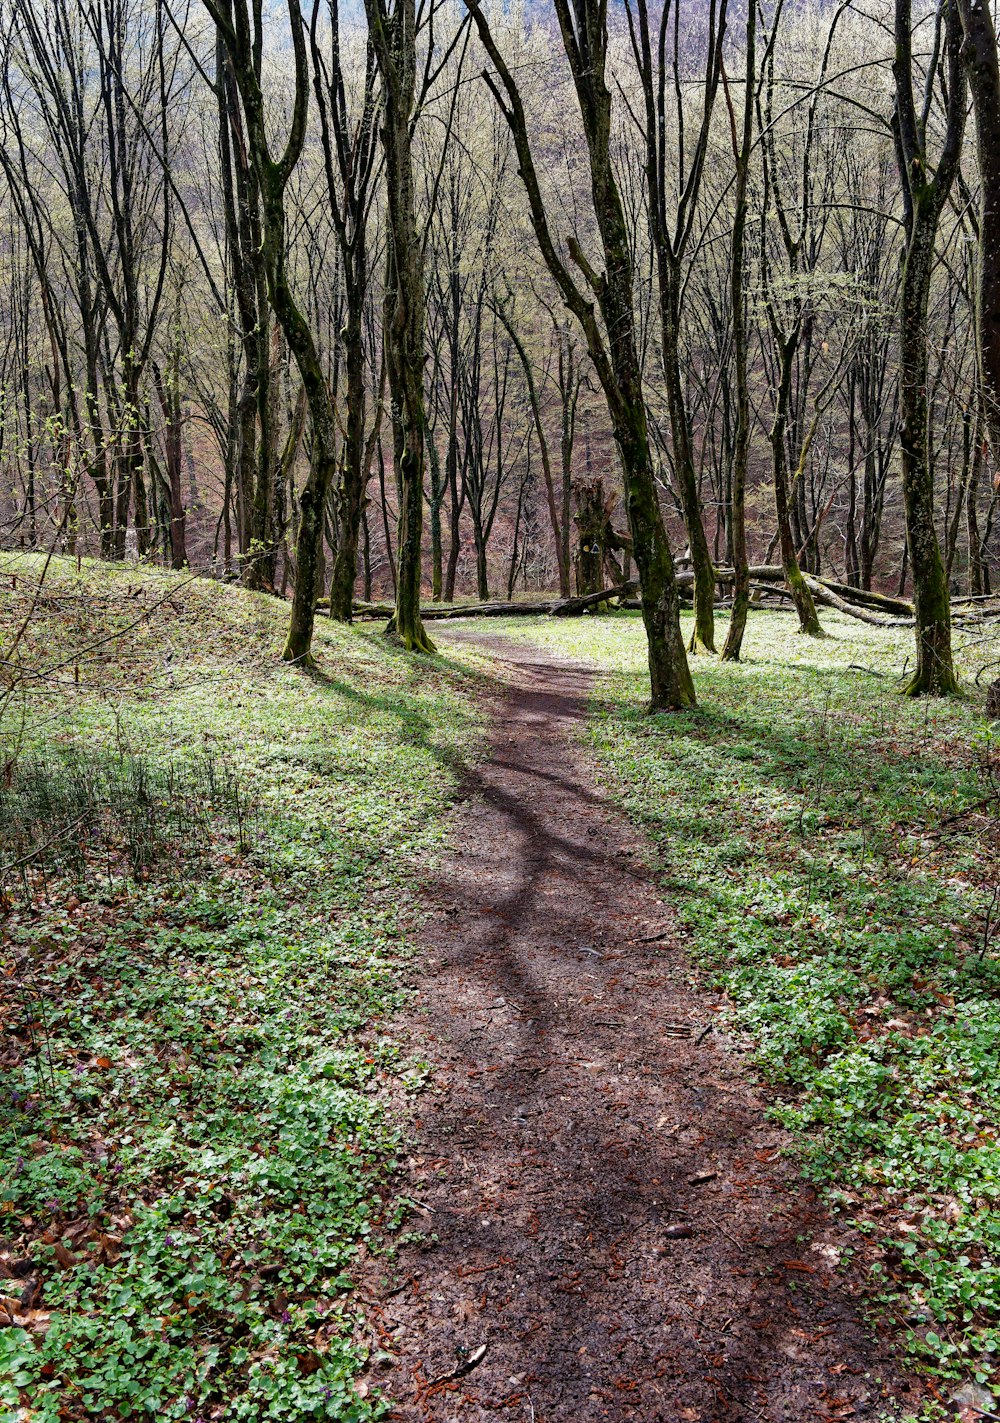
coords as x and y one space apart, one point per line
832 849
193 1131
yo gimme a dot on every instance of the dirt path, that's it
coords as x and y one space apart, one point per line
614 1221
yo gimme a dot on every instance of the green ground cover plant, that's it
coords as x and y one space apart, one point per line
832 851
204 938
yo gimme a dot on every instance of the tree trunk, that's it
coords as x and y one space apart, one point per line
670 241
438 487
170 405
353 474
703 633
934 672
925 192
590 519
737 277
616 358
263 545
543 445
394 40
979 51
983 68
367 557
972 443
240 40
479 541
805 607
454 534
976 588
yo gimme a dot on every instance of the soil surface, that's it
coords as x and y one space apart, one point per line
615 1221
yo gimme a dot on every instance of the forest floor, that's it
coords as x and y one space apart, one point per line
665 1067
206 861
608 1210
827 855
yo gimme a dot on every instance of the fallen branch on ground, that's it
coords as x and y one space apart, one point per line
876 609
553 607
825 595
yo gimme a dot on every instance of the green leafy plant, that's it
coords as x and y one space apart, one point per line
193 1140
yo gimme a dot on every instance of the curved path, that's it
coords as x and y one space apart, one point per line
614 1220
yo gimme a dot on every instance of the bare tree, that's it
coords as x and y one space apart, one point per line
243 40
349 152
583 24
979 51
925 192
742 137
672 217
393 27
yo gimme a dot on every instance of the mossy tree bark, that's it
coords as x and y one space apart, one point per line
393 30
614 351
925 192
671 222
934 671
243 41
591 520
349 151
598 541
982 64
543 444
804 605
742 148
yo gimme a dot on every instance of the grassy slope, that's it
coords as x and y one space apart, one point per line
800 822
192 1141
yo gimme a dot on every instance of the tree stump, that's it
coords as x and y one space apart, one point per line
597 540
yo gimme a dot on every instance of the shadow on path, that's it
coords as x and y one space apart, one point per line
613 1218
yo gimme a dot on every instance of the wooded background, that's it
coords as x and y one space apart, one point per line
201 211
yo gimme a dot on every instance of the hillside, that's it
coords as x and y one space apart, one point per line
205 907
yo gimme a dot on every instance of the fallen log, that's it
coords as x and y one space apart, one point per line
773 590
361 609
774 573
823 594
570 607
986 617
553 607
859 603
878 601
